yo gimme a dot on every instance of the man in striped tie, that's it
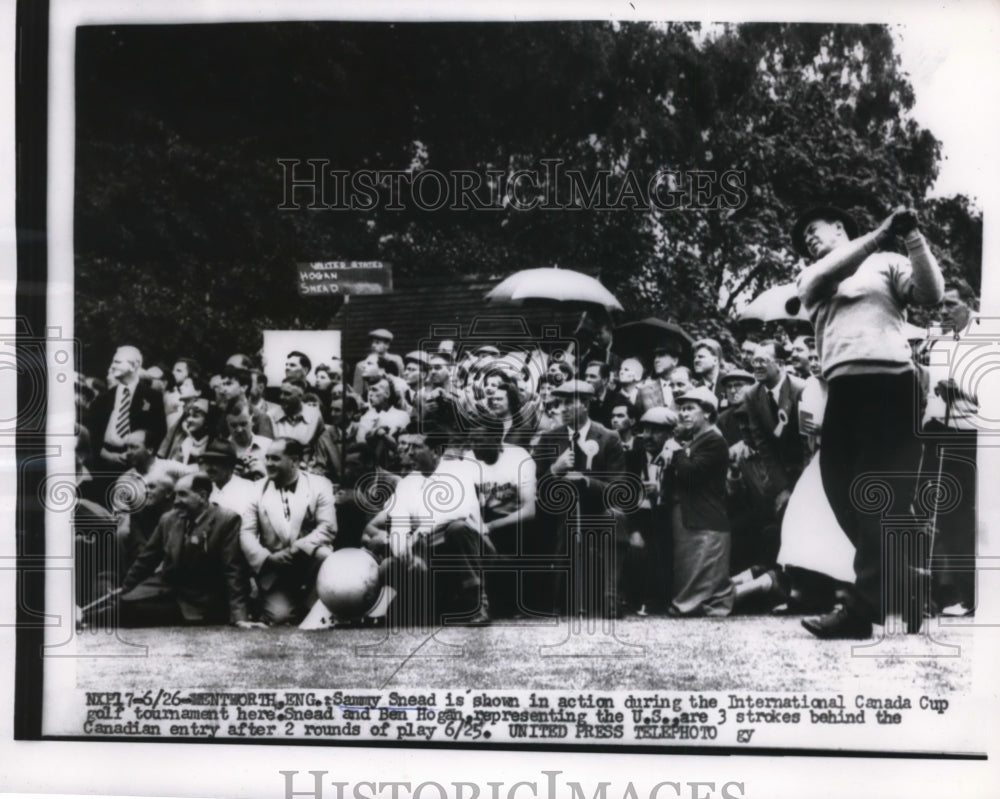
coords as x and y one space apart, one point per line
127 406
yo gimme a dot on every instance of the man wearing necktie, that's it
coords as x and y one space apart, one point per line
127 406
203 579
589 457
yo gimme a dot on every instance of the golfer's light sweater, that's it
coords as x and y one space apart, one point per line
856 297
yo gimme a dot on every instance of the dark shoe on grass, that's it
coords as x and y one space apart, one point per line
838 624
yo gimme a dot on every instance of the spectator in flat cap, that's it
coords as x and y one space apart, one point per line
648 561
735 385
416 365
701 532
589 456
379 339
856 298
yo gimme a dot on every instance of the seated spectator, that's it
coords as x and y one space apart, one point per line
249 447
229 490
137 521
185 383
382 422
507 417
190 436
328 457
288 530
506 490
297 421
202 579
434 513
235 390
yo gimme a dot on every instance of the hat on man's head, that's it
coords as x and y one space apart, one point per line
702 395
418 357
447 349
736 374
670 346
825 212
709 344
660 417
574 387
486 349
218 449
382 333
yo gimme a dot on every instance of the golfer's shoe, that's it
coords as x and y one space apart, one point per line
839 623
958 609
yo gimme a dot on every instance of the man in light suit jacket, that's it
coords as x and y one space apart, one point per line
288 529
204 577
590 457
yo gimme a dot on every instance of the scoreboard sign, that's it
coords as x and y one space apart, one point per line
326 278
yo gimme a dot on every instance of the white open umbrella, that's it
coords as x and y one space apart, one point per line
552 283
776 304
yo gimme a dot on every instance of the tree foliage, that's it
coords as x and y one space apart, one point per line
181 245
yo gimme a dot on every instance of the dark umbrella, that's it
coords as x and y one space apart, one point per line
640 338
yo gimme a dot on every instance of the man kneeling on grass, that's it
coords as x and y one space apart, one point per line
204 574
431 533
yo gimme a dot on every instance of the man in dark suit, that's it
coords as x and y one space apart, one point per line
655 391
129 405
773 410
589 457
773 457
598 374
204 575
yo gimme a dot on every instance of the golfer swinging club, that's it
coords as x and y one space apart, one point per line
856 297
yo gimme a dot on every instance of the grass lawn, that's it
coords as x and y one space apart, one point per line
757 653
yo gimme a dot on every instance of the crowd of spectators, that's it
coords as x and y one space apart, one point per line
489 475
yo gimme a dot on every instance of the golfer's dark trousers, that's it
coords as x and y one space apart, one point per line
869 460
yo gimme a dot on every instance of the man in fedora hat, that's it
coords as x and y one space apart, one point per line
229 490
856 296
